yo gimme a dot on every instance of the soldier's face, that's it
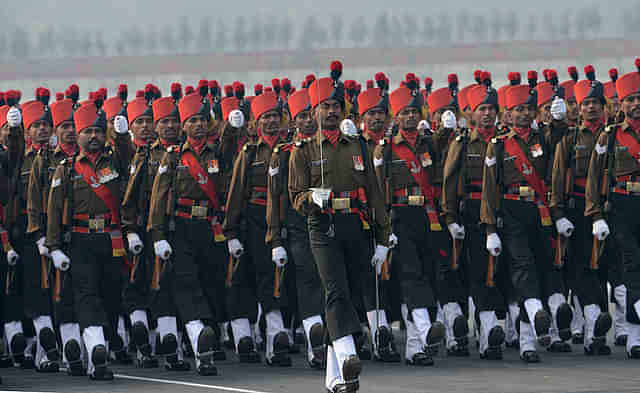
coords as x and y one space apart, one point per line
375 118
631 106
305 123
408 118
591 109
522 115
195 127
485 115
40 132
544 113
167 128
615 106
507 120
92 139
66 133
329 114
269 122
572 109
142 128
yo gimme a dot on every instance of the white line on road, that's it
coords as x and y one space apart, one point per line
190 384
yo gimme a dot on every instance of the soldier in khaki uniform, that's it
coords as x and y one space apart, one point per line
451 291
514 197
570 168
39 187
335 190
461 195
85 196
185 210
247 200
611 194
287 228
404 169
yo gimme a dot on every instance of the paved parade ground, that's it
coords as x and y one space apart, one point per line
572 372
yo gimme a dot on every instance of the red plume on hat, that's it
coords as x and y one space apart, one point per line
203 87
214 88
477 76
486 78
267 89
11 97
545 73
573 73
257 89
514 78
613 74
590 72
238 90
73 93
140 94
149 92
638 64
176 91
532 77
275 83
428 84
412 81
370 84
123 92
285 83
228 90
98 99
336 70
350 88
452 80
59 96
308 80
552 77
104 92
381 81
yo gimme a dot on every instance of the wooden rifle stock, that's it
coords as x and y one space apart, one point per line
385 273
134 267
231 268
57 290
562 247
596 253
491 269
277 281
44 272
455 253
155 277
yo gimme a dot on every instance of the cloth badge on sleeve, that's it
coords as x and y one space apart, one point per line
358 165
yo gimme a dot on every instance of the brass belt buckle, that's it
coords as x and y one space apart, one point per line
96 224
526 192
416 200
198 211
341 203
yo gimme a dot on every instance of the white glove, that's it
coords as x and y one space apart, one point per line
60 260
320 197
494 245
393 240
379 257
348 127
424 125
456 230
564 227
558 109
121 124
462 123
534 124
279 256
601 229
449 120
162 249
12 257
42 249
135 244
236 118
235 248
14 117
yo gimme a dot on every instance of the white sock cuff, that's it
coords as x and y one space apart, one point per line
344 346
167 325
140 316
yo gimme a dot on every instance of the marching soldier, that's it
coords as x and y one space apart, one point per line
451 292
406 181
461 195
611 193
287 228
39 187
85 198
567 209
247 200
335 200
514 197
185 209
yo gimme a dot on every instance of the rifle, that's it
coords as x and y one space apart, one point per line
283 174
562 250
608 181
66 227
388 202
44 176
493 262
458 244
142 206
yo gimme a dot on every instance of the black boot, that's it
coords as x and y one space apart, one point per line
119 352
316 339
530 357
599 345
351 372
578 338
564 315
621 340
247 352
496 338
48 342
434 338
169 348
204 353
140 336
280 356
386 352
634 353
420 359
99 359
542 323
73 353
18 345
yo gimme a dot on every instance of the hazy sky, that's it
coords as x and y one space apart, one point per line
115 13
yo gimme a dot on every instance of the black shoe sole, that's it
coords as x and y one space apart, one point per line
420 360
176 365
48 342
206 342
316 339
246 351
461 330
140 336
621 341
436 333
559 347
168 345
564 315
602 326
351 370
542 323
496 336
18 345
530 357
73 353
207 370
